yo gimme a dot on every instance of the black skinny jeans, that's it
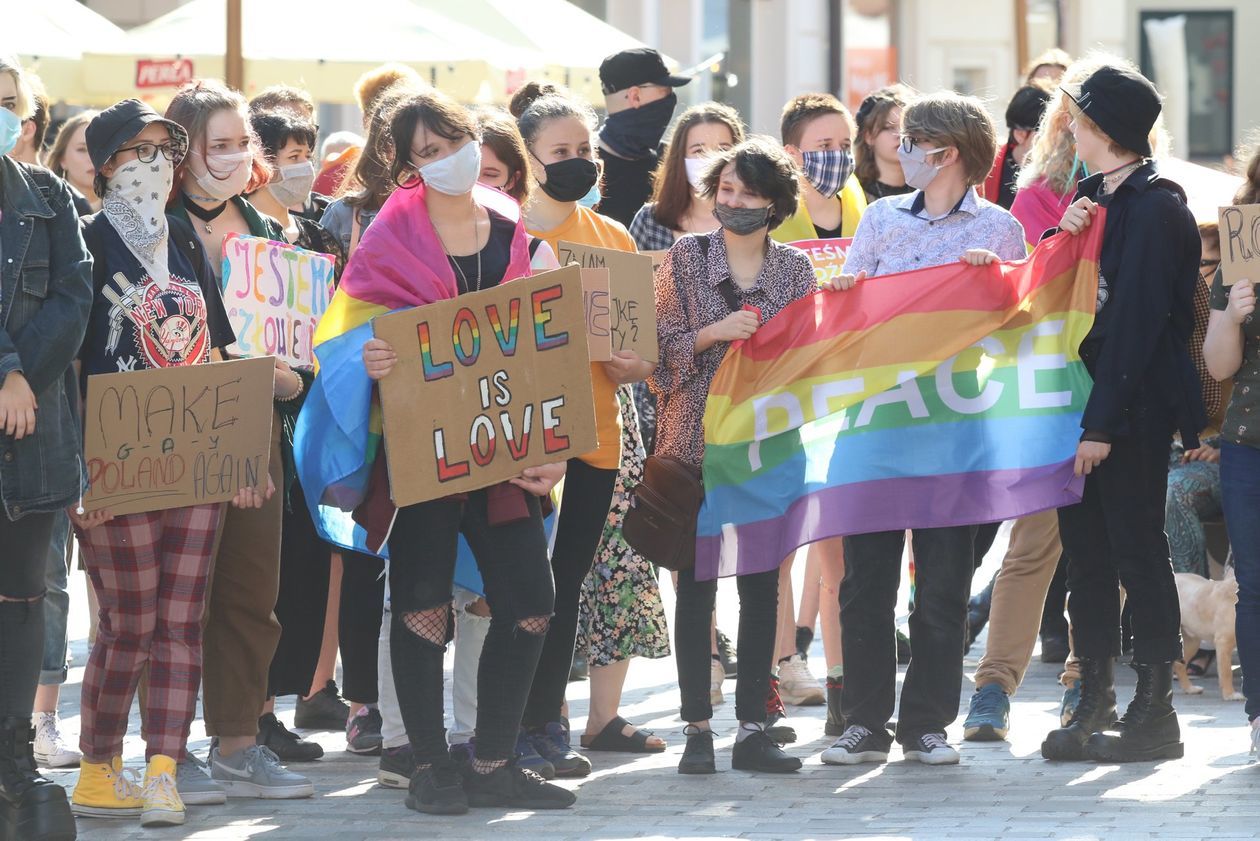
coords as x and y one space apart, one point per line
23 564
583 514
758 613
1115 535
513 563
943 566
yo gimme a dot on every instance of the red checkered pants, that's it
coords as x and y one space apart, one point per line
150 573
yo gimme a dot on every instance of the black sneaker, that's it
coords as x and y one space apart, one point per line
697 757
363 733
551 742
758 752
398 766
726 655
438 790
857 745
325 710
284 743
516 787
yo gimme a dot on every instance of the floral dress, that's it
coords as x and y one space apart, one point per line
620 614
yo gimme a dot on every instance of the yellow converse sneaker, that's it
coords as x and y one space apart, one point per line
105 790
162 806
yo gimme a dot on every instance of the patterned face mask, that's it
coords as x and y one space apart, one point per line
135 203
828 171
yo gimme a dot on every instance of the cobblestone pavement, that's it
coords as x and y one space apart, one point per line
1000 790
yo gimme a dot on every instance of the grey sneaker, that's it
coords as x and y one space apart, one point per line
192 779
257 772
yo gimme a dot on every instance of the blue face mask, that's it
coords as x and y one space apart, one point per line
1078 165
591 198
10 130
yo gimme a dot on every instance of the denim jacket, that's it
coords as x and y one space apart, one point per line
45 296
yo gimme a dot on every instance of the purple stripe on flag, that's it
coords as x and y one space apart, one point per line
886 505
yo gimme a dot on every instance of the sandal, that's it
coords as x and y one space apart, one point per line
612 739
1201 662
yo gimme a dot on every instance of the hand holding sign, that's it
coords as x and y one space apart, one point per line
1240 243
1242 301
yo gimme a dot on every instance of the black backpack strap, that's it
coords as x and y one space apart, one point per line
534 242
726 289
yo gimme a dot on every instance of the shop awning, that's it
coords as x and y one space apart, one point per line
49 38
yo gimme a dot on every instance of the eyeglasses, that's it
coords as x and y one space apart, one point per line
908 143
147 153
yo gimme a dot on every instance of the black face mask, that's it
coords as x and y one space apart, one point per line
570 179
636 132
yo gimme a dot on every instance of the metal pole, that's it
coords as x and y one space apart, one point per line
234 61
1021 36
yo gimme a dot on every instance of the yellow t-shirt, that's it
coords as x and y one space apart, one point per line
586 227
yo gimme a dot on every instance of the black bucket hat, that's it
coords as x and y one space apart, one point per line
121 122
1123 103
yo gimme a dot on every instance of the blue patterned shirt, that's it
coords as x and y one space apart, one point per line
897 234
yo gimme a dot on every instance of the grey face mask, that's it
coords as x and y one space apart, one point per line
741 221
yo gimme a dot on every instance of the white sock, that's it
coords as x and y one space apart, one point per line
746 729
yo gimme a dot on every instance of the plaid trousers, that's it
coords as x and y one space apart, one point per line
150 573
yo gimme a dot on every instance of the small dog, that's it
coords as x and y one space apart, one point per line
1207 612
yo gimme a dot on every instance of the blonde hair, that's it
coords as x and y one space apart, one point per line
372 84
948 118
1053 57
25 105
1249 192
1053 154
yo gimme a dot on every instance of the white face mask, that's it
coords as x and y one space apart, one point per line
226 175
293 186
457 173
695 171
135 204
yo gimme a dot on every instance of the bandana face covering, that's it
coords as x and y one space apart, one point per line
222 187
828 171
741 221
135 204
294 184
636 132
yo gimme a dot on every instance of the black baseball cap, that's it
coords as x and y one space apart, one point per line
121 122
640 66
1123 103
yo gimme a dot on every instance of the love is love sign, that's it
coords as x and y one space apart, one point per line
275 294
486 385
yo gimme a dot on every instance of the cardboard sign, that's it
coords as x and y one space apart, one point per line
658 257
170 437
595 305
486 385
275 294
1240 243
826 255
631 294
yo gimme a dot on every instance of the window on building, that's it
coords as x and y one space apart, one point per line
1190 56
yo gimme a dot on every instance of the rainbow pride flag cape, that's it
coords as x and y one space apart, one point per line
400 263
945 396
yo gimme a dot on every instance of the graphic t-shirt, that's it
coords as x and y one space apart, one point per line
136 325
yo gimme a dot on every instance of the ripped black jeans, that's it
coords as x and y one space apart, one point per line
519 589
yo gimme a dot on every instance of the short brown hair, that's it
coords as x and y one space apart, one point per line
192 107
499 132
951 119
765 169
803 109
368 184
438 113
284 97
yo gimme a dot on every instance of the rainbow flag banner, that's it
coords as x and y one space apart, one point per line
946 396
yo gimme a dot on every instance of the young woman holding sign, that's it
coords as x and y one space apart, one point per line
46 292
437 236
223 162
156 305
557 134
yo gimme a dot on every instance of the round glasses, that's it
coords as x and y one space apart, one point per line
147 153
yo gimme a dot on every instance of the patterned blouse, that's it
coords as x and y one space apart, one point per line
649 234
687 299
1242 415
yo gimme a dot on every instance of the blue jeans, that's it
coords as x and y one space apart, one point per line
1240 490
56 604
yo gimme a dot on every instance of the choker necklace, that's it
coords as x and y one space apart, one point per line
202 213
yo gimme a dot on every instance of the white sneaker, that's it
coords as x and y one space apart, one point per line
716 675
797 686
51 750
931 749
857 745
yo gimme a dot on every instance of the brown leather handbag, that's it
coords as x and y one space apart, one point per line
661 522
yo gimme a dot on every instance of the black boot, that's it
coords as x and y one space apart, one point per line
697 757
1148 730
1096 711
835 719
32 808
758 752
